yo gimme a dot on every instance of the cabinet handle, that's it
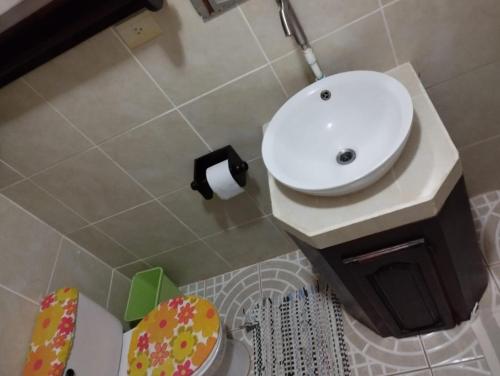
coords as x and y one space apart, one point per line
383 252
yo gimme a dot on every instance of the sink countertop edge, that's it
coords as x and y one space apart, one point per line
297 212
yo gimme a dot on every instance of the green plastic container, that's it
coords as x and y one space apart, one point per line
148 289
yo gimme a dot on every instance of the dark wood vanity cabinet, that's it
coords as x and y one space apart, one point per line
416 278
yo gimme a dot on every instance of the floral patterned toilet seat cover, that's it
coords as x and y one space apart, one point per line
174 339
53 334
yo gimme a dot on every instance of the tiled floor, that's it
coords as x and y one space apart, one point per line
459 351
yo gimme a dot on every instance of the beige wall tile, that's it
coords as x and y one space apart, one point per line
76 268
118 296
102 247
470 104
362 45
181 266
28 248
18 317
192 57
99 87
92 186
445 38
317 19
7 175
235 113
405 73
32 135
480 164
159 155
147 230
39 203
206 217
131 269
250 243
258 185
294 72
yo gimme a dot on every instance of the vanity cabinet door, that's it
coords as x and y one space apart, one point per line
402 285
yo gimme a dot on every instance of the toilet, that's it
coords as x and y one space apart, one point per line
183 336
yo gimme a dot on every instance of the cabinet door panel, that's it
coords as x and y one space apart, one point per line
402 284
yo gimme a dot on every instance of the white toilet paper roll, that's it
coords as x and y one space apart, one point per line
222 182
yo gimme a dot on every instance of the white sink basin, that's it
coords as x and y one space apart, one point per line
335 146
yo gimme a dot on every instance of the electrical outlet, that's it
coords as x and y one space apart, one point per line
138 30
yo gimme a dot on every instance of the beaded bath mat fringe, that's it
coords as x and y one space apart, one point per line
301 334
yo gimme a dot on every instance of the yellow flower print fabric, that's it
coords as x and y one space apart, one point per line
53 334
174 339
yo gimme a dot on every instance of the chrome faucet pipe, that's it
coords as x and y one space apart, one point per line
291 24
293 28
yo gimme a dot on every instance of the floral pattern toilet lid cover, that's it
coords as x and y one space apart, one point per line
53 334
174 339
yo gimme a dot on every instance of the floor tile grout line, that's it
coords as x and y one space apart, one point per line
408 371
444 365
53 271
389 34
424 350
262 50
109 289
19 295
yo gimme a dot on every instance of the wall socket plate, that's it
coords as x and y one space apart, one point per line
139 29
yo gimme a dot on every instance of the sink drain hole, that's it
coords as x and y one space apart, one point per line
346 156
325 95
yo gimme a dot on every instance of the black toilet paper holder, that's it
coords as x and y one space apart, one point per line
237 166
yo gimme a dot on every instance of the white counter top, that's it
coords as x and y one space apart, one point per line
414 189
